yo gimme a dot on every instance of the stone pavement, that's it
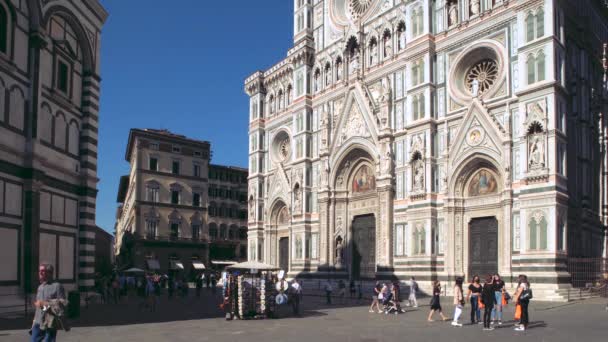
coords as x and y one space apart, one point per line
199 319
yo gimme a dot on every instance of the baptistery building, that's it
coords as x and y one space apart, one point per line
432 139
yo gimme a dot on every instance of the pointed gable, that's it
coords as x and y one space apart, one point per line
355 120
477 133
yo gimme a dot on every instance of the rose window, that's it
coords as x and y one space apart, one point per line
284 149
485 72
358 7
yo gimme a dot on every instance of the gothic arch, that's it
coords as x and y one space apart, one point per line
65 13
457 184
358 150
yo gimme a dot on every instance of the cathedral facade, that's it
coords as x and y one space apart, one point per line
432 139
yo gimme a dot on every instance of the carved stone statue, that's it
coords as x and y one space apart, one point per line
387 158
474 7
297 201
339 251
453 13
475 88
325 173
388 47
401 40
324 128
317 82
385 104
354 62
251 209
418 175
537 153
327 77
373 55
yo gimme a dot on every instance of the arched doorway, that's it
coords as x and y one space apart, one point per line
279 239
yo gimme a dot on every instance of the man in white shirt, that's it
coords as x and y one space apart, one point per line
296 294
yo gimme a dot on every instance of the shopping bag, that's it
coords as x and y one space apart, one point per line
480 303
517 312
504 300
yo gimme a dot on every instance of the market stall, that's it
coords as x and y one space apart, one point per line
249 289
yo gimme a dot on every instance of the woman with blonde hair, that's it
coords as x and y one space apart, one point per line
458 301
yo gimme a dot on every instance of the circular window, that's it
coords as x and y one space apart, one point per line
478 71
281 147
485 73
358 7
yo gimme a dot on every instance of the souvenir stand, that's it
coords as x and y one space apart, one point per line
252 285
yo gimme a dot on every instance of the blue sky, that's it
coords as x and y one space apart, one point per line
180 65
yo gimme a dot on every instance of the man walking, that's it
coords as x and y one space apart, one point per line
413 289
49 304
296 290
328 291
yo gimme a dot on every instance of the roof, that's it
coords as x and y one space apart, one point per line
233 168
162 134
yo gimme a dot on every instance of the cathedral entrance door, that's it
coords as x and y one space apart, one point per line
483 246
364 247
284 254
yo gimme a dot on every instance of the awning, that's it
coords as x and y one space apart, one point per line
198 265
223 262
175 265
153 264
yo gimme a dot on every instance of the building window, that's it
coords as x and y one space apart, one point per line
174 197
399 230
196 200
536 67
174 233
196 231
535 25
196 170
537 232
4 30
198 153
151 229
154 146
529 27
176 149
152 194
153 164
63 76
175 167
419 240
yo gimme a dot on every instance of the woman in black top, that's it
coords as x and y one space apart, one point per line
488 299
435 302
474 293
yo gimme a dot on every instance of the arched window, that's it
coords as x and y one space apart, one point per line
414 23
537 232
289 92
327 74
317 80
415 80
415 108
212 209
280 102
540 67
45 123
387 47
152 190
73 139
338 68
16 115
529 27
60 131
373 51
401 36
419 240
212 231
540 23
4 29
223 231
420 20
530 66
271 104
421 103
68 55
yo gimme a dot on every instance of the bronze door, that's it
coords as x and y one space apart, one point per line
483 247
364 247
284 254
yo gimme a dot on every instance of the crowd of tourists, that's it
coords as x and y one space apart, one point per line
491 297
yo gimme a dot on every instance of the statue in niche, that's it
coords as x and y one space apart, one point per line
325 173
297 201
388 47
453 13
537 153
324 127
373 55
251 209
475 87
401 40
474 7
354 62
387 158
327 76
339 251
385 104
418 175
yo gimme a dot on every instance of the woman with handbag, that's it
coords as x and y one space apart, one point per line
458 301
522 298
499 289
474 293
435 302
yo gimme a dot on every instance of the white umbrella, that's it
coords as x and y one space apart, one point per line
253 265
134 270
